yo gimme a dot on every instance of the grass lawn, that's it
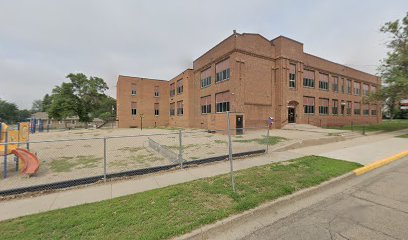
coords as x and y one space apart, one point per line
386 126
403 136
178 209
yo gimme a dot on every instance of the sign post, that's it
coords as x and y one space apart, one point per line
230 151
270 122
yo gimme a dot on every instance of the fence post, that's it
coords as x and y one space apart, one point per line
364 129
230 151
267 140
5 155
352 126
18 145
104 159
180 156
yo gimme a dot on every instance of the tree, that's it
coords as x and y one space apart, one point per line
106 109
89 92
64 103
46 102
394 68
82 97
8 112
23 115
37 106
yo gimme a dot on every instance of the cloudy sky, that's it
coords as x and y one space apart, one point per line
42 41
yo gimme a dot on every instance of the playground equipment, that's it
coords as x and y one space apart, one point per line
12 141
39 124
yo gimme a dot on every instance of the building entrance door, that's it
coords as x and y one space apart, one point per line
291 115
239 123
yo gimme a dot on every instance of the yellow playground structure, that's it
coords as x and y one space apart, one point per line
20 135
12 142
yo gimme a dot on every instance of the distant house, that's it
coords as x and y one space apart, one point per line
404 104
70 122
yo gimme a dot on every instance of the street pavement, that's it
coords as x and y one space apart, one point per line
371 206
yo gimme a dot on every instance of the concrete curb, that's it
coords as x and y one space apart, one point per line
379 163
236 220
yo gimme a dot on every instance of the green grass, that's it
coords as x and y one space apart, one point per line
220 141
385 126
403 136
67 164
178 209
271 140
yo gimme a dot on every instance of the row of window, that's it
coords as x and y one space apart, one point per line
345 107
309 82
133 90
133 109
180 88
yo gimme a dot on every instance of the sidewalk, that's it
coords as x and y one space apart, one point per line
363 149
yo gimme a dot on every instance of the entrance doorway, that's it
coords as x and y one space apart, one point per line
239 123
291 115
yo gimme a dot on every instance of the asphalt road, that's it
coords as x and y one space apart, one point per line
376 207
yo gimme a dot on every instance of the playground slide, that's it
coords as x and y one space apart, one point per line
31 162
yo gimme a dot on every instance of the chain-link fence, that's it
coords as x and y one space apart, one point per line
72 162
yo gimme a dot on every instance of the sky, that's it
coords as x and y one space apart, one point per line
44 40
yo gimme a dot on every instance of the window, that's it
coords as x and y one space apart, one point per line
309 105
348 86
133 90
308 79
342 85
343 104
172 109
335 85
292 76
357 110
133 107
222 70
205 103
356 88
156 91
206 78
335 106
324 106
222 101
156 109
172 90
349 105
366 109
324 82
373 110
180 110
180 86
373 89
365 89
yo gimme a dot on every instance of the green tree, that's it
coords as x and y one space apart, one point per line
23 115
90 92
64 103
394 68
37 106
106 109
8 112
82 97
46 102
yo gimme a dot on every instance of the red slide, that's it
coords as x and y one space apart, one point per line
31 162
